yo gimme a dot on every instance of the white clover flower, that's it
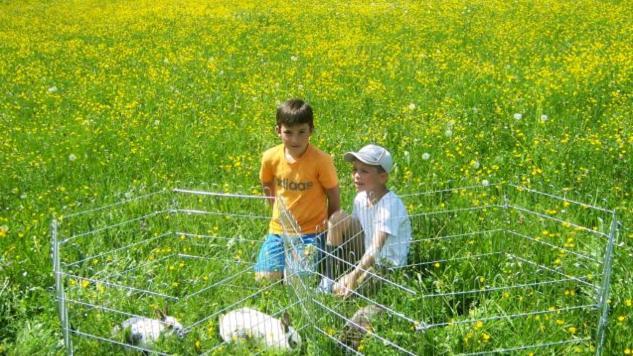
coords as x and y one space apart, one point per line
412 106
544 117
156 122
518 116
294 58
448 133
72 157
485 183
52 89
426 156
475 164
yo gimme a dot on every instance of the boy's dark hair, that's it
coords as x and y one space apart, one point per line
293 112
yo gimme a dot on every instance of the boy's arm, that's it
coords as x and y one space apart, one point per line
333 200
269 191
349 282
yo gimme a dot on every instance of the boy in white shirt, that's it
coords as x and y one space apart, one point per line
378 217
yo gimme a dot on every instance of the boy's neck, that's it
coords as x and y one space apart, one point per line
374 196
292 158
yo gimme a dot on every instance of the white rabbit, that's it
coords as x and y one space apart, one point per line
250 323
143 331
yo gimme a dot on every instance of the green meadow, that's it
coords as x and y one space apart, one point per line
106 101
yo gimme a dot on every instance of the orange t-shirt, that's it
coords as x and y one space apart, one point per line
302 185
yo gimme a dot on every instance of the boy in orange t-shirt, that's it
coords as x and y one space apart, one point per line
304 177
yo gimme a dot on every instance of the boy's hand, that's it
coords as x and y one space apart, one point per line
344 286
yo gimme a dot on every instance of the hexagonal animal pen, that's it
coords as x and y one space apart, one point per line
497 268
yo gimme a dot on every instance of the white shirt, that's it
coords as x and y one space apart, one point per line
390 216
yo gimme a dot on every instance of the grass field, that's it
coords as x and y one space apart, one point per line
106 100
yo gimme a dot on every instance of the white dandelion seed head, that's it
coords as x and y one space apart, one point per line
518 116
412 106
485 183
72 157
156 122
52 89
448 133
426 156
544 117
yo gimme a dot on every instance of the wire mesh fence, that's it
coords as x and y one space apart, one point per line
497 268
491 269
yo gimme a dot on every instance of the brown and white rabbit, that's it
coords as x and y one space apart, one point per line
356 328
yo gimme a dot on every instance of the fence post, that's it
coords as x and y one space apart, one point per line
603 302
59 288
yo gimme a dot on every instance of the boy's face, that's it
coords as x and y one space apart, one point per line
295 138
368 178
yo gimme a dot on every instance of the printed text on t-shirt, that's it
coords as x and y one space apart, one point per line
290 185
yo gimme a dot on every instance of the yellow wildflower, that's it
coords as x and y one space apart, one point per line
572 330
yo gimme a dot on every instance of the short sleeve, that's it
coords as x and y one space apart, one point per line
356 206
265 170
389 216
327 173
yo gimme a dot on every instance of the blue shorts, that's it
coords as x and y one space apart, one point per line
272 258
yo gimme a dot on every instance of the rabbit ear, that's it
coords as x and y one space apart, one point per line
285 321
161 314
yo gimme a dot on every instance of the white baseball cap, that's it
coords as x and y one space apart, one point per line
373 155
